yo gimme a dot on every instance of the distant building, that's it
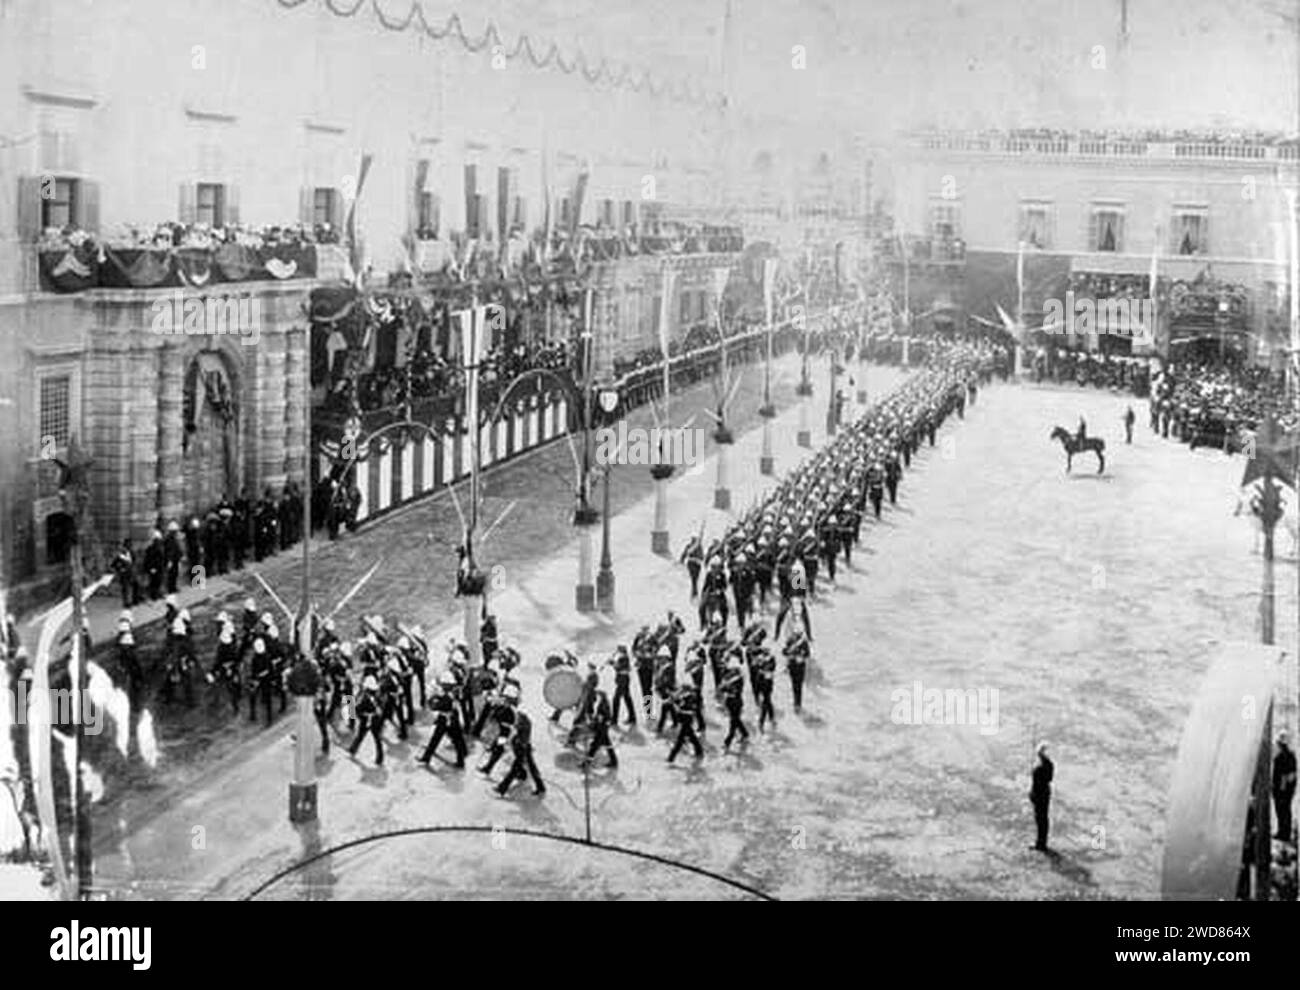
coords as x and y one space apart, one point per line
1092 211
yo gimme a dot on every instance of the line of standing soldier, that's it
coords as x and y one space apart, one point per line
216 543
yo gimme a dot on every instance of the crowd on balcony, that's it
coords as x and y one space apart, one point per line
922 249
1203 296
171 253
427 374
1056 135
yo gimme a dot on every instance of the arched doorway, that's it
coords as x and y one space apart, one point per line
210 443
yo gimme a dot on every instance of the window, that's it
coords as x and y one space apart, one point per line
945 220
566 210
211 204
1035 225
54 409
1106 229
59 532
1190 230
607 213
322 209
687 306
427 218
60 208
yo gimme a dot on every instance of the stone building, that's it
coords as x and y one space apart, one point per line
261 114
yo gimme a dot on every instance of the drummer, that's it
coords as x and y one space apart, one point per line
559 660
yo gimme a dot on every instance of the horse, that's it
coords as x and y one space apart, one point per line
1074 446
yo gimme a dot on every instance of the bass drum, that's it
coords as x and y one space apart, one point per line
562 688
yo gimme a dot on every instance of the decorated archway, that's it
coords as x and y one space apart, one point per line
210 439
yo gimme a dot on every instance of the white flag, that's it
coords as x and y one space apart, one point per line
769 285
666 308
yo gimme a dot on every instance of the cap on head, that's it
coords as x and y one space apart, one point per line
1042 749
250 605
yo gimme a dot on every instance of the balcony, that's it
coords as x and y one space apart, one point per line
82 263
1093 147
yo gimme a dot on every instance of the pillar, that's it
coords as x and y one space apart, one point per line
269 418
171 428
296 399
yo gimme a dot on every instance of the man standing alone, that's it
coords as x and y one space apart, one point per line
1040 795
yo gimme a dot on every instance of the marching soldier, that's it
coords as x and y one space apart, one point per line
261 672
180 653
693 558
600 722
665 687
893 474
763 673
394 690
128 659
446 722
225 667
688 703
523 766
733 699
876 486
644 650
695 660
503 713
797 651
622 664
370 716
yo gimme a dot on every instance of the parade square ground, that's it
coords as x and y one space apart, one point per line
1080 609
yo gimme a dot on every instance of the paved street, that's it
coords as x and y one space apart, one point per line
1090 604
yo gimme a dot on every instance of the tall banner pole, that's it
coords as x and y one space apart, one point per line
305 677
766 462
471 329
660 473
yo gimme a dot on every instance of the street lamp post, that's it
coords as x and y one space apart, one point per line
605 579
584 516
805 389
834 341
863 335
73 491
304 679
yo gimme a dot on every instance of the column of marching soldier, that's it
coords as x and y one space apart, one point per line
382 677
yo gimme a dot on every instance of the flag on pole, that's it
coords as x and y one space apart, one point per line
665 311
769 284
1155 265
546 199
575 214
353 245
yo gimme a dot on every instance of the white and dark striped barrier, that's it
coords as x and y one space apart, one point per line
391 472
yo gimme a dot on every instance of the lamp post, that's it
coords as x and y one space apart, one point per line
304 679
863 336
605 579
804 389
584 516
766 462
73 491
833 338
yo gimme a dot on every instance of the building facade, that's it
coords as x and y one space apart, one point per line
257 114
1096 214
